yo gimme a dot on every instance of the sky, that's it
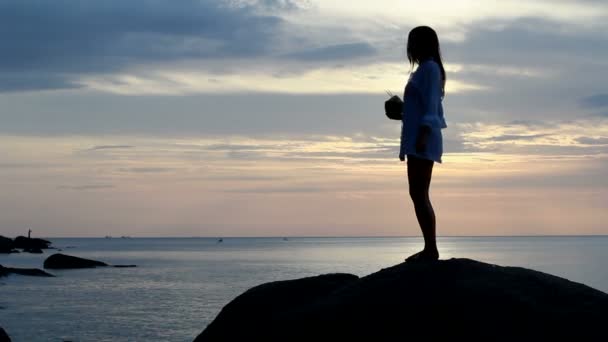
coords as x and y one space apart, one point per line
265 117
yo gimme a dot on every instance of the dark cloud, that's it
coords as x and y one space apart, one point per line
56 39
593 141
335 52
285 5
26 81
51 45
110 147
530 68
595 101
530 41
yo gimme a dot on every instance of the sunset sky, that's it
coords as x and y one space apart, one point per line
265 118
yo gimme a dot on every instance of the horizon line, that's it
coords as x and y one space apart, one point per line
311 236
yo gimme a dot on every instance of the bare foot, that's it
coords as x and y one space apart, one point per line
424 255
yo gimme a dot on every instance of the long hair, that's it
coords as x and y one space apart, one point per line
423 44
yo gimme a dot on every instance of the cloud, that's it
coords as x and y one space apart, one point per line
554 138
85 187
335 52
595 101
58 40
146 169
593 141
283 5
109 147
15 81
234 147
25 165
514 137
532 68
527 42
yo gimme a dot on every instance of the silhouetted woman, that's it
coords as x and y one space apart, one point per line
421 139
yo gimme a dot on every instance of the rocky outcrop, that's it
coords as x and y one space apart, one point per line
4 336
62 261
5 271
30 243
456 299
6 245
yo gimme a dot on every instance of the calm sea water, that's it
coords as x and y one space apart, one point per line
181 284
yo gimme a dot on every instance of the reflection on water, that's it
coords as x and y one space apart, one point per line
181 284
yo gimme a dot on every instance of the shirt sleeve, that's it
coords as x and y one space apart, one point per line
429 86
402 142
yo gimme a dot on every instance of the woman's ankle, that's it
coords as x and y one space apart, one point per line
431 250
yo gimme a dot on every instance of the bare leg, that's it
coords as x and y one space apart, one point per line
419 172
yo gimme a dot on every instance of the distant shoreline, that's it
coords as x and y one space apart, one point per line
322 237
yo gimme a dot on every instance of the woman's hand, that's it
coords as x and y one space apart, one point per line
421 140
393 108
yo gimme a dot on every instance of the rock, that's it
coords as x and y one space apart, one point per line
4 336
456 299
62 261
5 271
33 250
6 245
29 243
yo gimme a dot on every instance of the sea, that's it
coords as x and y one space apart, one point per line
181 284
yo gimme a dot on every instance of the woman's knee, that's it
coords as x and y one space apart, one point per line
418 194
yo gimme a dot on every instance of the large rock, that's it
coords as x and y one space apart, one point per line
6 245
4 271
4 336
27 243
456 299
62 261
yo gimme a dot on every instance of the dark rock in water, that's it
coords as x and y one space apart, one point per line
4 336
33 250
6 245
4 271
456 299
29 243
124 266
62 261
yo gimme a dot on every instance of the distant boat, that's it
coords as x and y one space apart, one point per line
285 239
220 240
108 237
125 237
